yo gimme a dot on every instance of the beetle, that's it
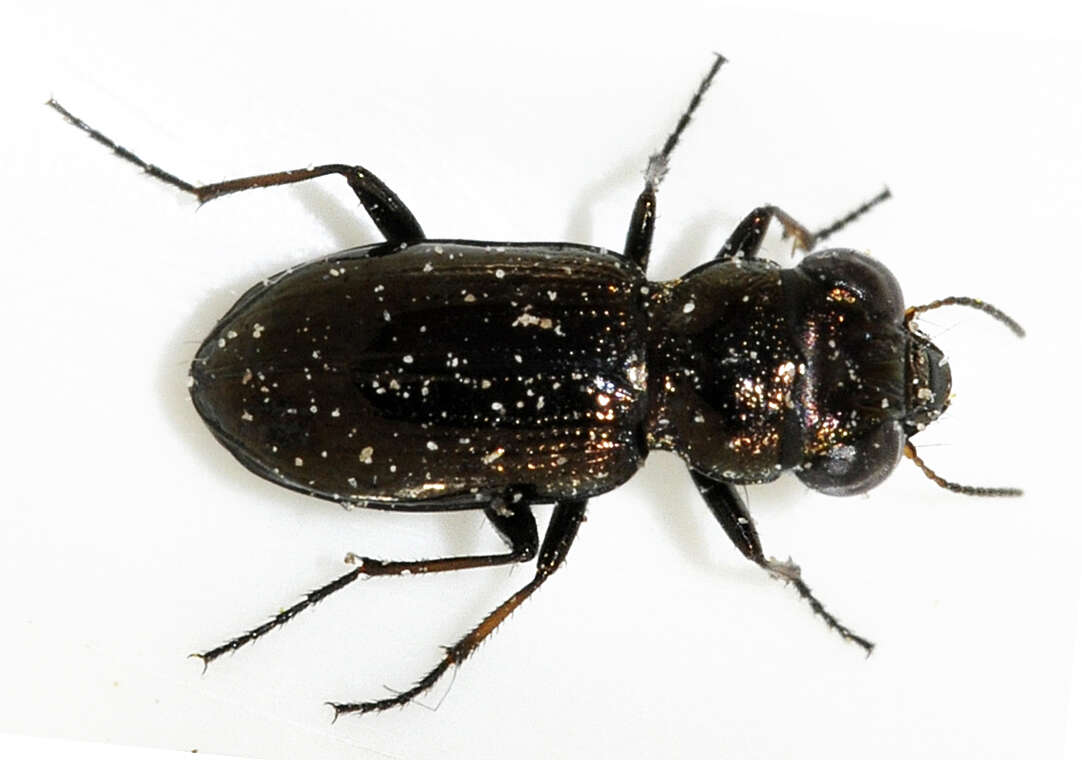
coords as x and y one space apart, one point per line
432 375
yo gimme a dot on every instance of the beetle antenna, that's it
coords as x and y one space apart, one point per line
911 453
974 303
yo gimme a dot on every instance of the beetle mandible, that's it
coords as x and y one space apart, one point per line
433 375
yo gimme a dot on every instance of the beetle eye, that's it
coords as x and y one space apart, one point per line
856 466
857 277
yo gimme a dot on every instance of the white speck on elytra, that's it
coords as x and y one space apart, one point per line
689 307
366 455
432 446
407 359
298 462
257 331
492 456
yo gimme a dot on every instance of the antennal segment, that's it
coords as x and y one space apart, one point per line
911 453
973 303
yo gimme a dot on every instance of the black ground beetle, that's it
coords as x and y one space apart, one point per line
431 375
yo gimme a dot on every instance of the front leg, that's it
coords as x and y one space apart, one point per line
748 235
730 511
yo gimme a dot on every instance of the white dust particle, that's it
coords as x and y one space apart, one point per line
257 330
366 455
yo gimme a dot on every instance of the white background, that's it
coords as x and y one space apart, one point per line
129 538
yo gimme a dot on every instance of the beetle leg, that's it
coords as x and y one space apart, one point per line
730 511
388 212
748 235
830 229
562 528
640 232
513 521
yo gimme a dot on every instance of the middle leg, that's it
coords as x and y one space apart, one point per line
640 233
561 532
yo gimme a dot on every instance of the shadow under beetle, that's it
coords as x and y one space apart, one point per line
431 375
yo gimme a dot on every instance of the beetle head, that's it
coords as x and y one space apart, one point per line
928 383
873 379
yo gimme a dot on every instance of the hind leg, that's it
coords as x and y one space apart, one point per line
394 220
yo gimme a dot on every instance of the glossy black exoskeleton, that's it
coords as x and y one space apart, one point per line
431 375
